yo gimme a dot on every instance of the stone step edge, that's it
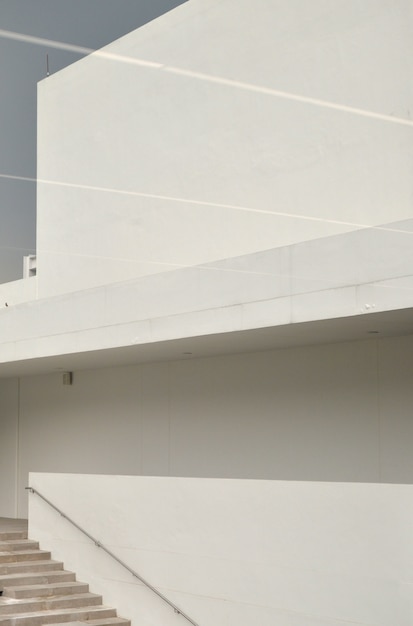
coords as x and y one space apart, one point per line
20 552
28 564
16 535
15 545
21 555
19 603
28 575
53 588
76 612
51 579
108 621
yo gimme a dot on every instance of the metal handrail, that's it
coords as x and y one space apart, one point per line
98 544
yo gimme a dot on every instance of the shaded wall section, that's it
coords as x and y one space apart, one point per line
335 412
9 446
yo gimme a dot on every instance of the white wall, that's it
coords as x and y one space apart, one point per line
9 443
234 551
342 276
144 168
337 412
18 291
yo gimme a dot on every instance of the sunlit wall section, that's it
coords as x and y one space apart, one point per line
221 129
242 552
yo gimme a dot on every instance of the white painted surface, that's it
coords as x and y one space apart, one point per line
9 442
237 551
335 412
345 275
18 291
154 169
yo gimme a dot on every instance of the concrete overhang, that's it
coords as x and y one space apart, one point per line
360 327
311 293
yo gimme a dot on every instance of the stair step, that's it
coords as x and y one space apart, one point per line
108 621
24 555
37 591
111 621
60 616
11 606
45 590
41 578
30 566
15 534
7 545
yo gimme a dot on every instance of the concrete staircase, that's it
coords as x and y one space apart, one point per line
37 590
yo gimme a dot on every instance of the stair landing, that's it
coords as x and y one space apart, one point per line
9 525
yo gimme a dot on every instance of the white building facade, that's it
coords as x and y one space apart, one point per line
224 262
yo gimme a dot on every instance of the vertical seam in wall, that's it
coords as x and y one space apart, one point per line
290 282
379 424
17 465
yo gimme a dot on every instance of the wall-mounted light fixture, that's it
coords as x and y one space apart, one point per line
68 378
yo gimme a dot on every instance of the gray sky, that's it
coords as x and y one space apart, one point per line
89 23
